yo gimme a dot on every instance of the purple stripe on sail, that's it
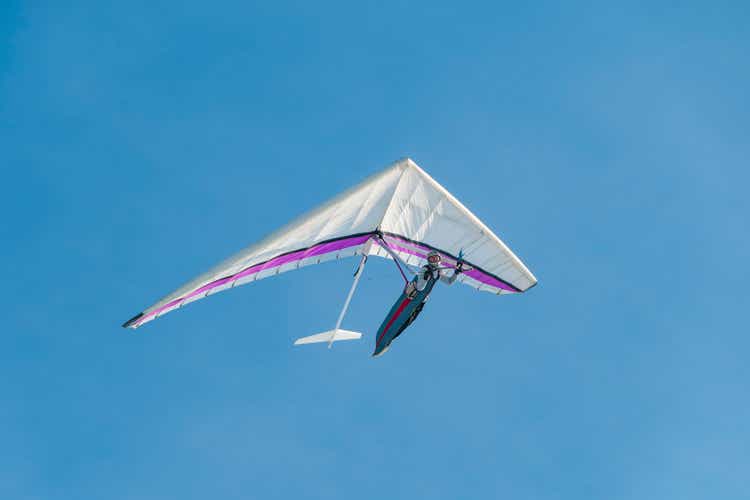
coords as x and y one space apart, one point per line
319 249
475 274
399 248
422 247
489 280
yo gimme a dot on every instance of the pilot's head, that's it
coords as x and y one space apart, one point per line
433 258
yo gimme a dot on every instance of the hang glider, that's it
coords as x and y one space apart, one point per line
399 210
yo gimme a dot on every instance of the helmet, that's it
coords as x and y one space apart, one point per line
433 257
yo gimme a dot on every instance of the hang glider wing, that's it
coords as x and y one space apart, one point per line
424 216
402 207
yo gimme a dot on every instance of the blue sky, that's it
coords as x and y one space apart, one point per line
606 144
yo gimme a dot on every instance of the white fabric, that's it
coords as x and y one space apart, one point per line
403 200
423 210
329 336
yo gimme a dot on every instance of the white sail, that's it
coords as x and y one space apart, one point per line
402 207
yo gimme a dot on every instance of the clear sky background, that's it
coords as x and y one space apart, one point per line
142 142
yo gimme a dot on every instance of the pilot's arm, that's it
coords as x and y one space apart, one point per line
449 280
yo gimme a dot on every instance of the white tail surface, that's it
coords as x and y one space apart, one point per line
329 336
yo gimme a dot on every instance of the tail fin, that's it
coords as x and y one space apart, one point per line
329 336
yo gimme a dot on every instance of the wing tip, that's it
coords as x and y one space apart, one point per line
532 285
129 323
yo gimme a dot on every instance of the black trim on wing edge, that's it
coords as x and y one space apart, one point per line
132 320
135 318
396 235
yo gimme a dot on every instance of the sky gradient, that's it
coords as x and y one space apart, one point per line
142 142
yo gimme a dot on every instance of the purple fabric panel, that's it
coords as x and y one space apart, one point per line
399 248
408 242
488 280
474 273
275 262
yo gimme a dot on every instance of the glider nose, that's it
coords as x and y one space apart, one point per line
380 351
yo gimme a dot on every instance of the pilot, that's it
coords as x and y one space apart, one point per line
431 271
